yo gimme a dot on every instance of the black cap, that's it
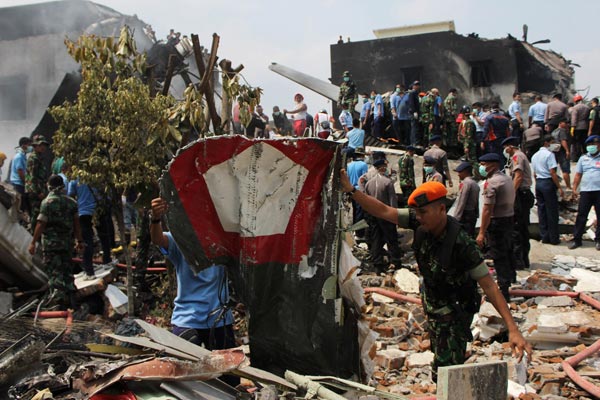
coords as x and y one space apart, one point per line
490 157
415 83
510 140
435 138
463 165
379 163
592 139
411 148
378 155
429 160
25 140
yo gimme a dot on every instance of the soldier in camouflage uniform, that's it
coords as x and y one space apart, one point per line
36 177
466 136
347 92
57 222
406 172
427 117
451 266
450 114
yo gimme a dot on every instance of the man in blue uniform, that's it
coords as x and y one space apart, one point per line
587 180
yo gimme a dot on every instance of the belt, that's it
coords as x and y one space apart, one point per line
543 179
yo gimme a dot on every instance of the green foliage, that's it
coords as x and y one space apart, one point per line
115 135
248 97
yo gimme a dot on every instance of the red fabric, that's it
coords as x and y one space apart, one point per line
299 127
187 172
323 134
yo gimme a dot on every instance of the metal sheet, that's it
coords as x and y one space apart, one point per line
319 86
166 338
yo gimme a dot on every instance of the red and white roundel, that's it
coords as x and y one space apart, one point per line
253 200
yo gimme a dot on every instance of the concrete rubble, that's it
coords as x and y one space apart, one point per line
559 326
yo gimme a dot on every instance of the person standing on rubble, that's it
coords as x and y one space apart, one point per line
544 165
36 178
406 172
497 217
382 231
520 172
57 222
587 173
201 314
466 209
451 266
298 115
440 157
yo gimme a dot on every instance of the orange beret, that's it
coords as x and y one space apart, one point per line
427 193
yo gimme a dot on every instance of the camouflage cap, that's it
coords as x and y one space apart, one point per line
40 140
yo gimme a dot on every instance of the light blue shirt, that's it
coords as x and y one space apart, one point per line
542 162
378 102
403 114
356 138
537 111
86 203
436 105
589 167
197 294
513 109
19 162
395 103
356 169
346 119
366 107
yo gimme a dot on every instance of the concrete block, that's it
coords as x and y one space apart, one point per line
390 358
473 382
406 281
554 301
416 360
588 281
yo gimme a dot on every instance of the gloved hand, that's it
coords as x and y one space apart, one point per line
572 131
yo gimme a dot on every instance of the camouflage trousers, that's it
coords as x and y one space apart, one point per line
451 134
449 337
57 265
34 204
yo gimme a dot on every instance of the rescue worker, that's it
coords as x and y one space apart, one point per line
57 222
587 179
345 119
495 130
322 126
347 91
466 136
515 114
466 208
451 266
497 219
382 231
426 117
366 114
450 115
430 174
547 183
441 158
36 178
580 114
520 172
594 120
406 172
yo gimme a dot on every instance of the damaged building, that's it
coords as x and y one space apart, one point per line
481 69
37 71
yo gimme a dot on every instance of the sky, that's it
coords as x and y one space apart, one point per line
298 34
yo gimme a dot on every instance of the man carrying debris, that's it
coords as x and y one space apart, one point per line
57 221
200 314
450 264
